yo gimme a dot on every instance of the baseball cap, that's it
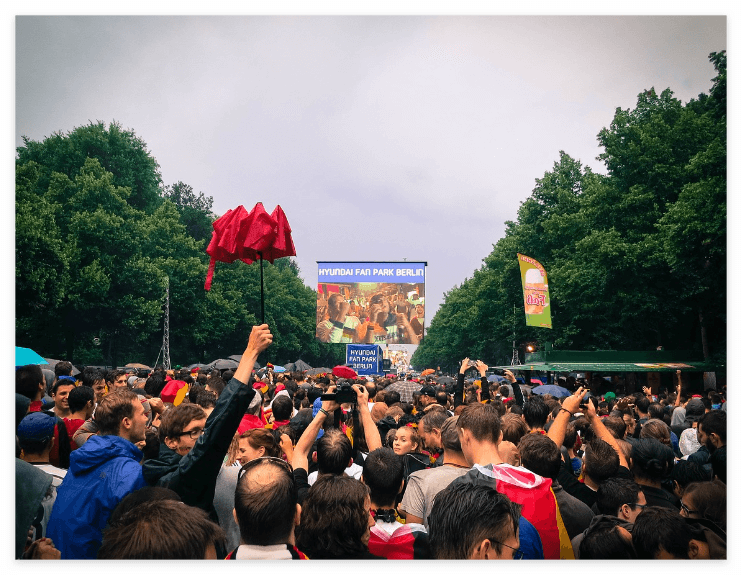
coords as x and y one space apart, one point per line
37 426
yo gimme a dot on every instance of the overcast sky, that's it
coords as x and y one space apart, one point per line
381 137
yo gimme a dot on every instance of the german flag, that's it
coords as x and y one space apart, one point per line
534 494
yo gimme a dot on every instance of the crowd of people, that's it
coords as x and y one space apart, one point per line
382 318
241 465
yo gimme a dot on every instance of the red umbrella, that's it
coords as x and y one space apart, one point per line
251 236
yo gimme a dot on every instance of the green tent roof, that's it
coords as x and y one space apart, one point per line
614 361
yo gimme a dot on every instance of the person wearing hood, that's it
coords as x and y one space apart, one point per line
102 472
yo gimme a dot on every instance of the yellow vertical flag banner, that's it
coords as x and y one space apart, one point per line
535 292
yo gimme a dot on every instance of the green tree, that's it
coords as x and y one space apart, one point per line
118 151
194 209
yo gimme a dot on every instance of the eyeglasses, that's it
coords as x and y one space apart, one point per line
193 433
684 507
639 505
517 553
260 460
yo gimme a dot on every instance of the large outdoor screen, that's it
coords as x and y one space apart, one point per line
371 302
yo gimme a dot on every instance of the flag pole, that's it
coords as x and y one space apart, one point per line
262 296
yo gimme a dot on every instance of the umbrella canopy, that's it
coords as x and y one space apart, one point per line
555 390
297 365
495 377
222 364
237 358
427 372
279 368
318 370
138 365
26 356
53 362
444 380
249 236
536 381
198 365
405 388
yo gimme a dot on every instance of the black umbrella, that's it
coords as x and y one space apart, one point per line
222 364
297 365
53 362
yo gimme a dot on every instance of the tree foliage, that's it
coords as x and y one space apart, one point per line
98 239
636 258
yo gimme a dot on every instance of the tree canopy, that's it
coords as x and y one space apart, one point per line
98 237
635 259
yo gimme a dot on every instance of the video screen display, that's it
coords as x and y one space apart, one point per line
371 302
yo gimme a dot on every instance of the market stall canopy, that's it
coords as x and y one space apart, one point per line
614 361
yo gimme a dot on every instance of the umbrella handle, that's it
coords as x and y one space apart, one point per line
262 294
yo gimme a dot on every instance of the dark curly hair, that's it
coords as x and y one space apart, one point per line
334 519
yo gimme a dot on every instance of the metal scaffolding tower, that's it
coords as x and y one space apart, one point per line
166 332
515 359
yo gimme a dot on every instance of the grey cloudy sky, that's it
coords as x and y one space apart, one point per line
382 137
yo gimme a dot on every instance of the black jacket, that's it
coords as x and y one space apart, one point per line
193 476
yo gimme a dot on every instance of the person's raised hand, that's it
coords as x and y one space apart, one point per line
482 367
286 445
508 375
330 405
260 338
156 404
591 413
464 365
572 403
623 404
361 393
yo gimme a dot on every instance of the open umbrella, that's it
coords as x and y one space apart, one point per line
138 366
297 365
555 390
495 377
250 236
53 362
427 372
26 356
222 364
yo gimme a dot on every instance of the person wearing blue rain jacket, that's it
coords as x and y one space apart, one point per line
102 472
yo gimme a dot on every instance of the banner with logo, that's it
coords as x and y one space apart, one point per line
371 302
535 292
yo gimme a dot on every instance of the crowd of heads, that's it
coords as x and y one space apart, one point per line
646 499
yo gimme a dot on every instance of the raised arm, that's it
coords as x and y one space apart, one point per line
517 393
370 431
458 392
680 386
260 338
601 432
570 406
484 384
300 458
